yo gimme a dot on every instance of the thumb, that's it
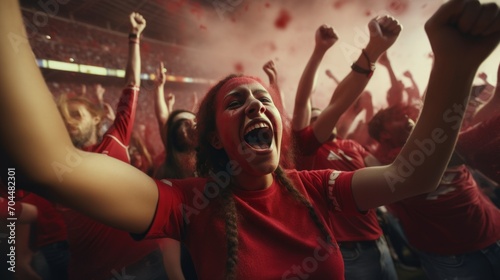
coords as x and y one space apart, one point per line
374 28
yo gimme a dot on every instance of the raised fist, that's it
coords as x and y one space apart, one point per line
325 37
383 33
137 23
161 75
464 32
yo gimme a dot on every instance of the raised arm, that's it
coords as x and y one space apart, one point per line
330 75
462 34
383 33
133 71
413 91
272 73
395 92
325 38
35 141
491 108
162 110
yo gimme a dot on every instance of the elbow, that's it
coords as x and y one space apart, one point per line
410 179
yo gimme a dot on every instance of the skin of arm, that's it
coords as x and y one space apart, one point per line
325 38
161 109
413 91
491 108
107 194
24 271
462 34
133 71
383 33
271 72
395 92
171 251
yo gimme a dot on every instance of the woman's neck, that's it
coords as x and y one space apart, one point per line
250 182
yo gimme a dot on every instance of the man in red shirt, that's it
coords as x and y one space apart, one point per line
99 251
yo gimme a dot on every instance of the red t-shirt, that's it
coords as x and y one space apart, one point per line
49 226
456 218
96 249
344 155
480 145
277 237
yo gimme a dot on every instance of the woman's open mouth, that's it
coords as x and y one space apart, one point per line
259 136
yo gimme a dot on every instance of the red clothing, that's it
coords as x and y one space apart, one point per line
276 234
50 226
96 249
456 218
344 155
480 145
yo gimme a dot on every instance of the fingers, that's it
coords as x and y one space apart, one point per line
389 24
494 26
447 13
486 16
327 32
469 16
374 27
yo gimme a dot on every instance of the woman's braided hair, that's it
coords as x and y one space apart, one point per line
214 160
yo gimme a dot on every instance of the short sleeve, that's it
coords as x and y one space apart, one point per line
334 187
168 219
339 192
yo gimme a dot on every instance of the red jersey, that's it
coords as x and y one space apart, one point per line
277 237
49 226
96 249
456 218
480 146
344 155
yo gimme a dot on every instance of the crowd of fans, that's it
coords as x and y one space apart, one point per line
71 41
244 189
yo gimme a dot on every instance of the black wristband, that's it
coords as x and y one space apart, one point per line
361 70
132 36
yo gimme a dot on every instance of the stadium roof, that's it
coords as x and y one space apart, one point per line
163 18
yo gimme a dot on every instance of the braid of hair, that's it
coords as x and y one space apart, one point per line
285 181
231 226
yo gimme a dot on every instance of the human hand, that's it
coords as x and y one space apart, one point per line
99 91
383 33
161 75
483 76
170 101
109 112
464 31
325 38
408 74
137 23
272 73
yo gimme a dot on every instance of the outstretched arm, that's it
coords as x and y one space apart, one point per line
491 108
413 91
133 71
383 33
462 34
325 38
35 140
161 109
395 92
